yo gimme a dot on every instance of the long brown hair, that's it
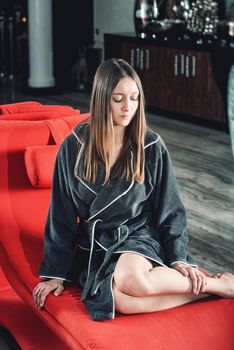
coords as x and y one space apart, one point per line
99 145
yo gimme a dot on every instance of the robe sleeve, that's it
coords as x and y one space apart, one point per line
61 224
169 212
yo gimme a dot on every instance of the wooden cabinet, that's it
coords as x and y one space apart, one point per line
176 79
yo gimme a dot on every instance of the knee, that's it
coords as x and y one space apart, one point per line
133 284
126 304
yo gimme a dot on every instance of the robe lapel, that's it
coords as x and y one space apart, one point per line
79 171
108 196
99 197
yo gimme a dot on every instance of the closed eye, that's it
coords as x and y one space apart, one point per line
135 98
120 98
117 99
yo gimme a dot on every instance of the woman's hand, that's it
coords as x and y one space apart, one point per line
42 290
198 278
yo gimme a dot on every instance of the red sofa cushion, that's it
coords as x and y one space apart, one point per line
40 115
39 162
29 331
21 260
22 218
32 107
9 107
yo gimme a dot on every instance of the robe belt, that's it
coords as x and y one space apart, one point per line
111 238
104 236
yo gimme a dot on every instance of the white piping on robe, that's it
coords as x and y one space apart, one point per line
95 292
100 245
182 262
76 167
92 246
96 250
112 293
114 200
57 278
118 233
121 195
77 137
124 222
145 256
89 188
86 185
88 249
151 143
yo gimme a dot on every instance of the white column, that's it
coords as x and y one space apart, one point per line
40 44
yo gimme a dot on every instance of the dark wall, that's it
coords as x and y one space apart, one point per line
13 38
72 31
8 5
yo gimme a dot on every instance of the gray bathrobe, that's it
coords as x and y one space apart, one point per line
90 225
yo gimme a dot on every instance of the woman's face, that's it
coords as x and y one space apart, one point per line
124 102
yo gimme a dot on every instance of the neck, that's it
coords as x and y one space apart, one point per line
118 134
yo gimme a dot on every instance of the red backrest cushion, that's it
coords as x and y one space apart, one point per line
32 108
39 162
43 114
23 207
9 107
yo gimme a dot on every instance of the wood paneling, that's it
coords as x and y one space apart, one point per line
180 80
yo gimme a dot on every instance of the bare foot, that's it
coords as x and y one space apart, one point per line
227 290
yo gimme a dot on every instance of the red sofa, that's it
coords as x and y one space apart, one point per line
27 149
29 330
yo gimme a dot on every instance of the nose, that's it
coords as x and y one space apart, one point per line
126 105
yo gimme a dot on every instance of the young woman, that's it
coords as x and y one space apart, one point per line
117 177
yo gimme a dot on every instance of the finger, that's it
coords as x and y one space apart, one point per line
194 281
43 295
36 294
182 270
37 297
37 288
204 282
199 283
59 290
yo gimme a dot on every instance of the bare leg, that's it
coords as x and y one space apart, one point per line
128 304
164 280
159 288
135 276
